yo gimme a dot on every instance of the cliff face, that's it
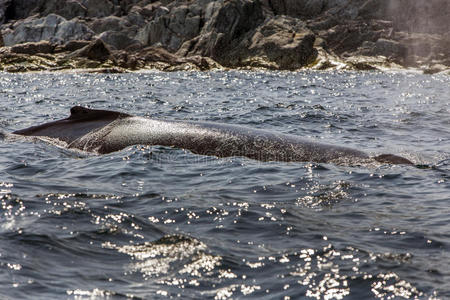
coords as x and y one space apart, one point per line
204 34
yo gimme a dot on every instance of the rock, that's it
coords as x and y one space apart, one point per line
184 34
203 63
119 40
110 23
67 9
72 46
127 5
149 10
423 48
136 20
51 28
310 9
369 63
4 4
33 48
437 69
295 8
128 60
326 60
411 16
349 36
389 48
323 23
96 50
280 43
21 9
173 28
2 43
158 54
99 8
162 59
228 25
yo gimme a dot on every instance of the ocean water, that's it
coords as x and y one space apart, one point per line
152 222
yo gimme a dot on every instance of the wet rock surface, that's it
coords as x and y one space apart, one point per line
205 34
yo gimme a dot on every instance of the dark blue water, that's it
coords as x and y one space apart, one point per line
159 223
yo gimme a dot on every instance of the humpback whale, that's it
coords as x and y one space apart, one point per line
103 131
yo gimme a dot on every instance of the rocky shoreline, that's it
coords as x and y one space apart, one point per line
128 35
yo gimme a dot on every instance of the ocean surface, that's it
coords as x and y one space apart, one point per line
153 222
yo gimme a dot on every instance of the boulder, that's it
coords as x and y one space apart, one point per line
51 28
158 54
72 46
95 50
160 58
33 48
119 40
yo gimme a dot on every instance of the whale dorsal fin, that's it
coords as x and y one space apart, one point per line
83 113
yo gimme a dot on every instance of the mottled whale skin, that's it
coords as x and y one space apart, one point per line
103 131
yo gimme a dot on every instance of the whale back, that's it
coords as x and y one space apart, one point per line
87 129
81 121
392 159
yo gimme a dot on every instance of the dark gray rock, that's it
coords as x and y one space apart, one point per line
33 48
296 8
228 25
99 8
118 40
308 9
22 9
349 36
172 28
389 48
67 9
432 16
95 50
4 4
425 48
110 23
136 19
279 43
51 28
72 46
127 5
280 34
